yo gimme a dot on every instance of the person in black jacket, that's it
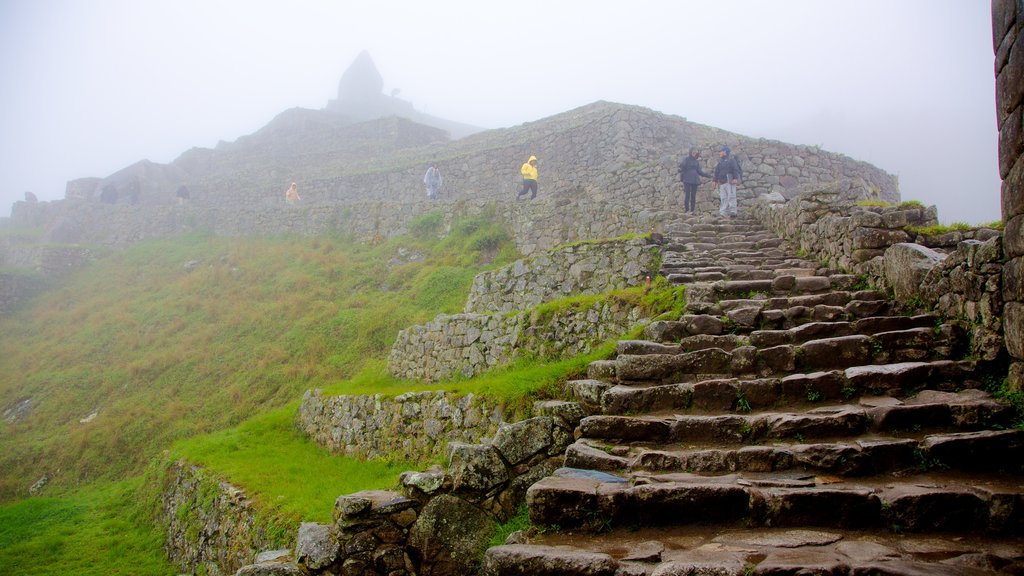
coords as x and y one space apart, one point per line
727 176
689 174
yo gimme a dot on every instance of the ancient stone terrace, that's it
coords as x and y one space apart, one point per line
792 421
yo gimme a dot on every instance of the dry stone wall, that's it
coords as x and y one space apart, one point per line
1008 42
499 326
211 526
409 426
469 344
442 517
585 268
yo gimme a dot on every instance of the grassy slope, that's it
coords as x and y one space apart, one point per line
163 353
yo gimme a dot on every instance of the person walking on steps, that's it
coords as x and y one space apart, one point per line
727 175
529 172
432 179
689 174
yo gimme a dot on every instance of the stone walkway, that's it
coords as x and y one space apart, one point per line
791 422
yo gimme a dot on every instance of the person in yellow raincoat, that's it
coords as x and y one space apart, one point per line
529 172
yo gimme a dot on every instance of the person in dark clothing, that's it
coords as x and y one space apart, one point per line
689 174
727 175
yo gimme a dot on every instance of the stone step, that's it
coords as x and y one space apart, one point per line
876 386
695 325
985 450
761 312
933 502
970 410
739 551
669 363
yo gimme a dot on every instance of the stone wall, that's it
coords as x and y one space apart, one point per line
26 267
469 344
15 288
411 426
211 526
605 170
957 274
1008 42
586 268
444 516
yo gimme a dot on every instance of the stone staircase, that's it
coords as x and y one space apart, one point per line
791 422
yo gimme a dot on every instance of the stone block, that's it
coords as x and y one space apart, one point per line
818 507
528 560
906 265
315 546
1010 81
475 467
1013 196
520 440
1011 140
1013 328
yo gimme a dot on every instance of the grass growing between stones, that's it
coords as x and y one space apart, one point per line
98 530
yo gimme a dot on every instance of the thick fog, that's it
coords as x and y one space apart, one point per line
91 86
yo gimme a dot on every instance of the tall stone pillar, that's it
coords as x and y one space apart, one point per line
1007 33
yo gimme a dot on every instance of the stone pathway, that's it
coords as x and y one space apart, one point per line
791 422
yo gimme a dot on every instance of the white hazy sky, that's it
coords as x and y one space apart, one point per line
91 86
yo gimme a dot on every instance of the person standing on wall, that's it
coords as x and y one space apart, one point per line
292 195
727 175
432 179
529 172
689 174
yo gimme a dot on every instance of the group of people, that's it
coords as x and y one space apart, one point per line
728 174
432 180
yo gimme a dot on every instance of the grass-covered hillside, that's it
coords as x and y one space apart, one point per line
185 336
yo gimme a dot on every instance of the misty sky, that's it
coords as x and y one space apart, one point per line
92 86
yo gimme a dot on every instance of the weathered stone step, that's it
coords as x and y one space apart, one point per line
933 502
967 411
786 311
876 386
668 363
684 330
678 551
988 450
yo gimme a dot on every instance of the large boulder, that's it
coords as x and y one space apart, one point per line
906 265
450 536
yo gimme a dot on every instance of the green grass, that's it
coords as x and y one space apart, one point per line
283 470
97 530
939 229
163 353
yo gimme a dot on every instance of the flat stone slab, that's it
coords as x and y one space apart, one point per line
786 539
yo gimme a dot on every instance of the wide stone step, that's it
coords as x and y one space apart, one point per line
986 450
655 362
968 411
877 386
759 312
933 502
740 551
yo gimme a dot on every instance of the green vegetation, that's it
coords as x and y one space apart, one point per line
159 350
100 530
874 204
939 229
204 344
521 521
281 469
